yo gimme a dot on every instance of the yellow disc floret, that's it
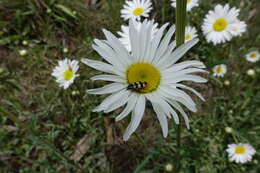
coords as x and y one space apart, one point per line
187 37
220 24
219 69
253 55
188 1
144 72
68 74
240 150
138 11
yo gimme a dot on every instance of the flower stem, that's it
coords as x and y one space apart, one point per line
180 14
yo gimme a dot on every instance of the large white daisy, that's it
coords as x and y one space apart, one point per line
240 153
152 60
125 39
222 24
65 72
190 4
190 33
253 56
136 9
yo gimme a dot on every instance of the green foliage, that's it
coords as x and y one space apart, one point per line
42 124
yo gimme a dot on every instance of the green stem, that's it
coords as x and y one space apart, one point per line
180 14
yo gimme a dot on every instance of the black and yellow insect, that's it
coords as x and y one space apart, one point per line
137 85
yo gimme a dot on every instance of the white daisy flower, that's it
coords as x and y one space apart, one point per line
240 153
151 66
190 33
136 9
190 4
125 33
253 56
222 24
219 70
65 72
238 28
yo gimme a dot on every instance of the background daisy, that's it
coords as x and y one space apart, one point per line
240 153
65 72
253 56
219 70
222 24
190 33
125 33
152 60
190 4
136 9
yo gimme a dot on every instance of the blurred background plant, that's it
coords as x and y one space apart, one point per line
54 130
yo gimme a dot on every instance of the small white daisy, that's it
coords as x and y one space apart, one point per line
152 61
125 33
238 28
136 9
65 72
253 56
222 24
190 33
219 70
240 153
190 4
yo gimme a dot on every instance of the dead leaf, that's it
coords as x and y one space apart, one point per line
9 128
81 148
109 130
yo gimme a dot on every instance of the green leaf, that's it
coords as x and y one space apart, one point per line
66 10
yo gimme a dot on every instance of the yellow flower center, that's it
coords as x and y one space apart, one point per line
240 150
253 55
188 1
218 69
144 72
220 24
68 74
138 11
187 37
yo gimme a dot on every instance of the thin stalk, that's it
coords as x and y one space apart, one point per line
180 14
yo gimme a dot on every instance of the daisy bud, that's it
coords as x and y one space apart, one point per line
25 43
23 52
168 167
74 93
228 130
65 50
255 161
227 82
250 72
49 10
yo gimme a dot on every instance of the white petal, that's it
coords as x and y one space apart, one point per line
107 89
180 51
109 100
162 119
129 107
98 65
111 78
191 89
136 118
